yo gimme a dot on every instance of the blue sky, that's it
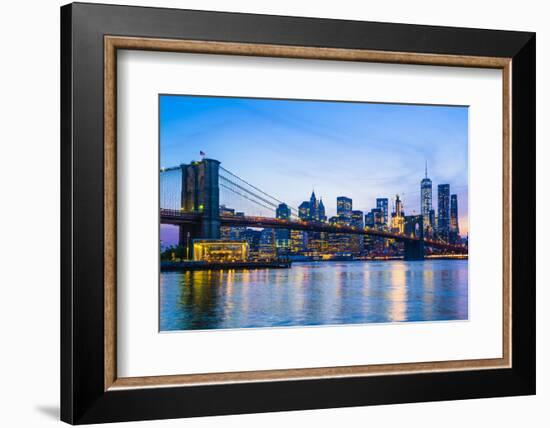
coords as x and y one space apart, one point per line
289 147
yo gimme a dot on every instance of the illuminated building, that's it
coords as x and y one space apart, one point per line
316 209
317 241
454 231
232 233
433 222
312 210
357 219
303 210
426 200
322 213
343 206
375 219
369 219
225 231
216 250
339 243
382 204
252 237
313 207
283 211
398 217
298 241
357 242
225 211
267 247
443 211
282 236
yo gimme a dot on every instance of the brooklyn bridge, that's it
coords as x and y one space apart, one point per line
190 199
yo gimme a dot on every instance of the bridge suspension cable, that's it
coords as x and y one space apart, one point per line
268 207
232 183
170 190
263 196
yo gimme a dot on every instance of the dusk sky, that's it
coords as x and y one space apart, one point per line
289 147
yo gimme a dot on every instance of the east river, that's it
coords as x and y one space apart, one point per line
315 293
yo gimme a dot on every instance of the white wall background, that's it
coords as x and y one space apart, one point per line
29 182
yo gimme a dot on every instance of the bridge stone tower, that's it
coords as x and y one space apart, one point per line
414 226
201 193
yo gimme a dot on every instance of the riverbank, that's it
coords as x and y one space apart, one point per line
166 266
375 258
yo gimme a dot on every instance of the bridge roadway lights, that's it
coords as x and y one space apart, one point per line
414 250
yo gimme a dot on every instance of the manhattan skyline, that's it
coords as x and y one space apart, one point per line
360 150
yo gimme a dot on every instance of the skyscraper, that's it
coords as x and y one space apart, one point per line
357 242
443 211
357 219
454 232
375 218
282 236
321 211
398 216
303 210
382 204
313 207
426 199
343 206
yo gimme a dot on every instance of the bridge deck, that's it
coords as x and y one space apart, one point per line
181 217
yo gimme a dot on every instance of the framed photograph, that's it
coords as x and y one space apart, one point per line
265 213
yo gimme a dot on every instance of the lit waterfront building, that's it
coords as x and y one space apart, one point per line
216 250
318 242
298 241
454 233
443 211
252 237
382 204
426 200
267 248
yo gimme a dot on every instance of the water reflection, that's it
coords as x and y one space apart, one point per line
315 294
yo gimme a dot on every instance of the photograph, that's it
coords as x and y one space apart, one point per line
276 209
294 213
